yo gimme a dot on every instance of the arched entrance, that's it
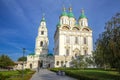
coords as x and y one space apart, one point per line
40 64
76 53
30 66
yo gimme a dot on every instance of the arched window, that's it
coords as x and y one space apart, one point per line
41 43
85 29
85 40
75 29
57 63
65 21
62 21
42 32
65 28
76 55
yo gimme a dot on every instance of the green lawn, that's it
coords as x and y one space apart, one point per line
91 74
15 75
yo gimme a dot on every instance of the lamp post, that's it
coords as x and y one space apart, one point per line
23 64
65 60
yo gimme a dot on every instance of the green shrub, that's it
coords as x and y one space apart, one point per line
79 76
27 70
4 77
24 71
90 73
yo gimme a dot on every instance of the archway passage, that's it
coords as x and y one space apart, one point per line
30 66
40 64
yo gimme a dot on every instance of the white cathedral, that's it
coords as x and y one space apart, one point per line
72 38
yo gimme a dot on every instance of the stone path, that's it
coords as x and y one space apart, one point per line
45 74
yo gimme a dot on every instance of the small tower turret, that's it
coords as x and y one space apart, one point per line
72 20
83 19
43 22
64 17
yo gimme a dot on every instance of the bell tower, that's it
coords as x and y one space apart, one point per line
42 41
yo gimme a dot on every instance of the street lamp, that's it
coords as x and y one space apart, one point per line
65 60
23 64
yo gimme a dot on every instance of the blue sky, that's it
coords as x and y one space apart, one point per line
20 19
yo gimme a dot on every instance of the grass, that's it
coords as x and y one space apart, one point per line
9 72
16 75
91 74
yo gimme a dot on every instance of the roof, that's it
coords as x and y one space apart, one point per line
43 19
70 15
64 13
32 54
82 14
50 54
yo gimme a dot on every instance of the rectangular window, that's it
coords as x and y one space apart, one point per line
85 40
67 52
76 40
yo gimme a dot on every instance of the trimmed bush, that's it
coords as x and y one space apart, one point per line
90 74
3 77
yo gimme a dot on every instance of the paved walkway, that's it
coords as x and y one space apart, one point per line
45 74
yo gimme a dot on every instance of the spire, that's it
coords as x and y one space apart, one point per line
82 14
82 11
70 12
70 9
64 9
43 17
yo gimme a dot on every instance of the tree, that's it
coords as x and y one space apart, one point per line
79 62
22 59
107 52
89 61
5 61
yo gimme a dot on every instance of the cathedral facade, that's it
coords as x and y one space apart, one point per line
72 38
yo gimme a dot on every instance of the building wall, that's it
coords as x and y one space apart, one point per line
72 38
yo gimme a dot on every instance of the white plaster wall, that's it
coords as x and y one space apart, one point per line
61 45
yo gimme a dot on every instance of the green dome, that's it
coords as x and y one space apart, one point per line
50 54
82 15
43 19
32 54
64 13
70 15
